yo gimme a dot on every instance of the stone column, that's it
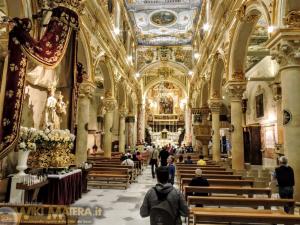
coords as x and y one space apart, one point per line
285 48
205 136
140 124
122 115
130 120
192 132
188 124
276 87
215 106
86 90
236 89
109 104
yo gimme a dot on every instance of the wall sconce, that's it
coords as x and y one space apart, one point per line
231 128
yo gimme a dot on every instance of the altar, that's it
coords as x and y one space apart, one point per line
63 189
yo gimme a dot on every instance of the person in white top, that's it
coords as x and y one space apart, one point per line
128 161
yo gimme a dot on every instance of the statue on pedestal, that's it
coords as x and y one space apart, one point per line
61 108
55 109
50 110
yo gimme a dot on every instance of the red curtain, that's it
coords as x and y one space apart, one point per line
48 52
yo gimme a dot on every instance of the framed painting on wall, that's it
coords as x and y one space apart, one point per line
259 105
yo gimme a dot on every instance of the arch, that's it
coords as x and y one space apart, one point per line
84 54
218 69
132 103
198 100
158 80
204 94
249 15
182 68
106 69
122 95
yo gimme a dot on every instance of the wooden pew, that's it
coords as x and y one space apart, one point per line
267 203
109 177
242 216
228 190
132 171
209 176
41 214
207 171
193 168
220 182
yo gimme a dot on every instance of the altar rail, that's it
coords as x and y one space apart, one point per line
166 117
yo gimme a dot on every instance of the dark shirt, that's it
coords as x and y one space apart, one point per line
285 176
171 173
163 155
188 161
199 181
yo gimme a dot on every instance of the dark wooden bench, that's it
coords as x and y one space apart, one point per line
267 203
109 177
242 216
209 176
220 182
206 171
201 167
132 171
228 190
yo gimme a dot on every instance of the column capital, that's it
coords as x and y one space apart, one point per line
285 47
236 89
86 89
215 105
110 104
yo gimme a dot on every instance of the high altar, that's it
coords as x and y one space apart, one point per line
165 104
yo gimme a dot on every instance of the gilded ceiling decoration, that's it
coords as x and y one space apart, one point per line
164 22
179 55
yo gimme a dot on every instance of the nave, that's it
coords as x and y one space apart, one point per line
121 207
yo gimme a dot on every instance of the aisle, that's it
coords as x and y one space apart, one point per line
120 207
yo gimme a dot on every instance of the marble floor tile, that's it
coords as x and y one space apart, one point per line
120 207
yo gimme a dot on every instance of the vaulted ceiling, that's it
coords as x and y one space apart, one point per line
164 22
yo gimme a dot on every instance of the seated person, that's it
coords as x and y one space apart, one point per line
138 158
128 161
123 157
198 180
180 159
95 149
201 161
188 160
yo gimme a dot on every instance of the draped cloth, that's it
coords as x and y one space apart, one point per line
47 52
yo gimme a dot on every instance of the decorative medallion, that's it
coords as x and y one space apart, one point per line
287 117
163 18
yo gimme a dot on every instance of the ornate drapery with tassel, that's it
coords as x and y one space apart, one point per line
47 52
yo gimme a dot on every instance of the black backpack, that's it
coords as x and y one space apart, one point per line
163 212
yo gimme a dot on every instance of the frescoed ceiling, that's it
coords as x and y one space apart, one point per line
164 22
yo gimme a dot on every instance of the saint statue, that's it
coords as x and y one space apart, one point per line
50 110
61 108
55 109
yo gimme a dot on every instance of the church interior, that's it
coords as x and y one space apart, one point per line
91 89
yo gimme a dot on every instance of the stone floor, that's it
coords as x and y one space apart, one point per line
120 207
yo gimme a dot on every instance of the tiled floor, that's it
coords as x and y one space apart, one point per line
120 207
